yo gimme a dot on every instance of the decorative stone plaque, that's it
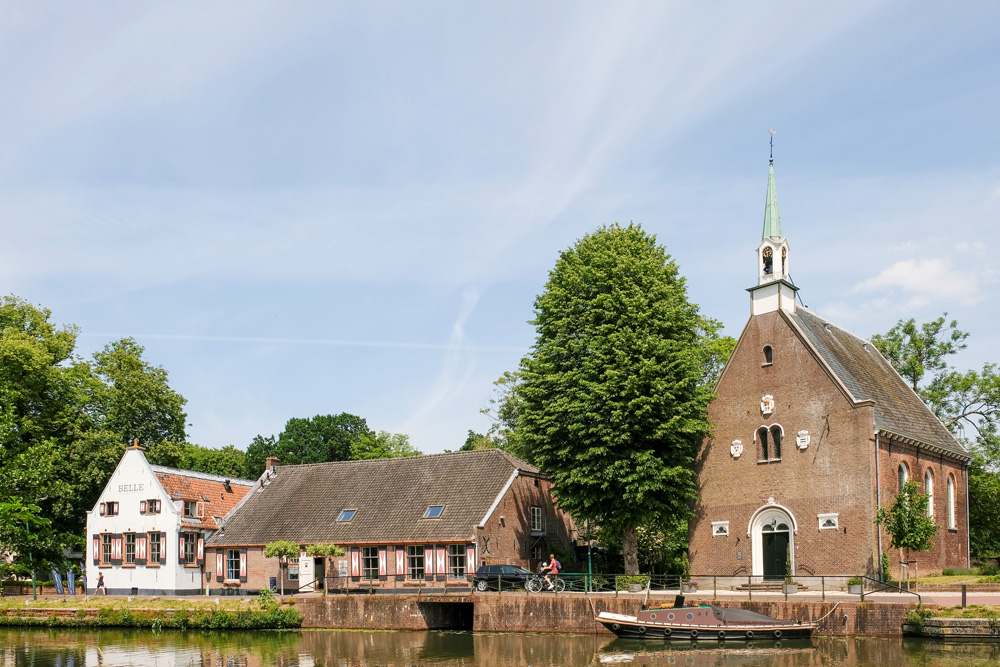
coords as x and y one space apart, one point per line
767 405
736 449
802 439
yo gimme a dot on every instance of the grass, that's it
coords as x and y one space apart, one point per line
972 611
153 603
951 579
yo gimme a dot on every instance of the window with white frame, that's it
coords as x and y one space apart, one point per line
829 521
456 560
720 529
537 522
415 562
190 541
951 502
293 569
537 553
129 548
155 548
105 548
929 490
232 564
369 563
904 475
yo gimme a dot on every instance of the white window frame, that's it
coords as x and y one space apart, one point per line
433 512
716 525
232 565
456 560
537 519
341 518
823 518
929 490
369 563
952 523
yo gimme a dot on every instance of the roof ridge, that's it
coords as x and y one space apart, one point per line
513 460
208 476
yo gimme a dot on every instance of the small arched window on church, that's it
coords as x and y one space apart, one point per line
768 256
951 502
776 433
904 476
761 437
768 356
929 490
784 259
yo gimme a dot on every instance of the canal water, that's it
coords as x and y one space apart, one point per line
84 648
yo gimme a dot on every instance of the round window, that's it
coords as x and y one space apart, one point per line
689 616
652 616
670 617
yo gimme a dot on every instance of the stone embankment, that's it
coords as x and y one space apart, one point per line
490 612
955 628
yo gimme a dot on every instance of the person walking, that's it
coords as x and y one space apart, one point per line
100 585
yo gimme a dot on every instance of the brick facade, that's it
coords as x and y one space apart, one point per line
833 475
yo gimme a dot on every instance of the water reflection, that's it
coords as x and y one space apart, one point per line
82 648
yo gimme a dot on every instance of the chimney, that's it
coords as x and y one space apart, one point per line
272 462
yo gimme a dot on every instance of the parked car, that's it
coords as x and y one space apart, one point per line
500 577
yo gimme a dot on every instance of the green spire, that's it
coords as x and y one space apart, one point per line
772 221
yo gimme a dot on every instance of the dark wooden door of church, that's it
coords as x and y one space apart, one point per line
775 553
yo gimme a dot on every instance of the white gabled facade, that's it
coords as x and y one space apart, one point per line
147 539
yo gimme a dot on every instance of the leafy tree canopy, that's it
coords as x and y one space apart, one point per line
907 522
613 403
382 445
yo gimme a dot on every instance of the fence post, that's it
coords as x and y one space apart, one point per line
750 587
862 589
963 596
822 584
715 587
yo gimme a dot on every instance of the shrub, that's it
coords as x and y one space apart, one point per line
916 617
958 571
855 581
622 582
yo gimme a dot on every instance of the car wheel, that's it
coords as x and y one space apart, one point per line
481 585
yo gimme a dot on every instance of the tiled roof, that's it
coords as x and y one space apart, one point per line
866 374
202 487
301 503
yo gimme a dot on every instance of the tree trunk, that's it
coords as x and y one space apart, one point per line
630 550
281 577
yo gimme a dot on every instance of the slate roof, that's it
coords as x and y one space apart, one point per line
203 487
301 503
867 375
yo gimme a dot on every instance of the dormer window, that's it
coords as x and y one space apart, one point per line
346 515
768 356
194 509
434 512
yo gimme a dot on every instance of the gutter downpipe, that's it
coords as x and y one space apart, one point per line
968 538
878 500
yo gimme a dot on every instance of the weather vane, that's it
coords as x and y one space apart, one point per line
772 144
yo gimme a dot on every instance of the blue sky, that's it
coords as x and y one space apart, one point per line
312 208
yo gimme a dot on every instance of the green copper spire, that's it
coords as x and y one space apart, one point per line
772 221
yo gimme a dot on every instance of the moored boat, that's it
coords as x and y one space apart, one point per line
702 622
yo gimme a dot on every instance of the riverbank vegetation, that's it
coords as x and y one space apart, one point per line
263 613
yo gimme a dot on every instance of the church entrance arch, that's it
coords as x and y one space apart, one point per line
772 533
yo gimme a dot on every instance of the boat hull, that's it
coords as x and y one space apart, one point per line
632 628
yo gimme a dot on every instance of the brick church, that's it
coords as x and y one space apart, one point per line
813 430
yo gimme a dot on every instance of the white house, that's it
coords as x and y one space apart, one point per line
147 532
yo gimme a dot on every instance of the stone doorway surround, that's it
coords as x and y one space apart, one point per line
770 513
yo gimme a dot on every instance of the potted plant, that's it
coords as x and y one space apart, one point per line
854 585
789 586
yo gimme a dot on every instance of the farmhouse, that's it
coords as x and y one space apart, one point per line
813 430
147 531
401 521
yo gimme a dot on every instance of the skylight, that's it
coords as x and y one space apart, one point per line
346 515
433 512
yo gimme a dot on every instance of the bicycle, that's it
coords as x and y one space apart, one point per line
537 583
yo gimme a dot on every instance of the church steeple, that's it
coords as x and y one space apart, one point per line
772 221
774 287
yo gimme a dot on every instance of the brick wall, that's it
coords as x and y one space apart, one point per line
538 613
950 544
832 475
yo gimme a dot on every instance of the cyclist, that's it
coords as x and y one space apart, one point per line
551 568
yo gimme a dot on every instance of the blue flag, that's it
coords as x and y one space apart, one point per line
71 578
56 577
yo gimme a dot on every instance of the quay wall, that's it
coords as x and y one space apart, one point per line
491 612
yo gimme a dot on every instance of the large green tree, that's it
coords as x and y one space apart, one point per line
967 402
612 403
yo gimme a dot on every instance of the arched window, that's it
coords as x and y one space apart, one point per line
776 441
768 260
904 476
762 440
929 490
951 501
767 354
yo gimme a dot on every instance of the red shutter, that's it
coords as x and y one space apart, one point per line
220 564
442 560
381 563
429 562
180 546
200 553
355 563
97 549
400 560
102 509
470 559
142 507
243 565
199 510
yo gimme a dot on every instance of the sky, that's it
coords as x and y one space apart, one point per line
315 207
